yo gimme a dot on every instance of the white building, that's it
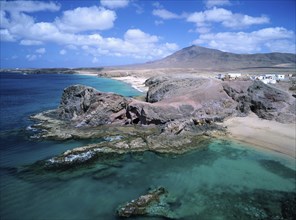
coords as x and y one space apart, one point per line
280 76
267 78
234 75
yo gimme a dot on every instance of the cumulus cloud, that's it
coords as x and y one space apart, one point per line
250 42
86 18
165 14
5 35
226 18
28 6
71 30
138 36
41 50
114 3
212 3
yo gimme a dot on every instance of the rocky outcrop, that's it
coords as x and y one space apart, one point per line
265 101
180 114
191 97
85 106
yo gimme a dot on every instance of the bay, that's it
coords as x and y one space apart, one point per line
224 180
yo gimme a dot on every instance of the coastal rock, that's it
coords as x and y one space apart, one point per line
153 204
265 101
85 106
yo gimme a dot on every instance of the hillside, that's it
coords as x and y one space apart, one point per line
211 59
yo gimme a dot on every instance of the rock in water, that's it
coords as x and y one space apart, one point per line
153 203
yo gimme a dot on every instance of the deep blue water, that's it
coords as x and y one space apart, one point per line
225 180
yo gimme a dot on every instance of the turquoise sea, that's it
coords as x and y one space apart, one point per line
223 180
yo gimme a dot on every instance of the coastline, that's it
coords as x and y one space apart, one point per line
137 83
263 134
259 133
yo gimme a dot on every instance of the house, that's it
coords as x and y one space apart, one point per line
234 75
267 78
280 76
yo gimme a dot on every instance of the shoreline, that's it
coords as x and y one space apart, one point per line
263 134
259 133
137 83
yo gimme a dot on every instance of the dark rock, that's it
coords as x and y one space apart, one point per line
85 106
151 204
265 101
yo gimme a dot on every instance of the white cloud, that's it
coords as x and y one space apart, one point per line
138 36
165 14
4 22
244 42
41 50
86 18
281 46
63 52
28 6
114 3
30 42
226 18
70 32
5 35
31 57
212 3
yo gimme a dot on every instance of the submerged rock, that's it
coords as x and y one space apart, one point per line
154 203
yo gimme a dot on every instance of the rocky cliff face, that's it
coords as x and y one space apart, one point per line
179 114
85 106
265 101
171 101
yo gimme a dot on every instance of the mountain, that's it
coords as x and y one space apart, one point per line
211 59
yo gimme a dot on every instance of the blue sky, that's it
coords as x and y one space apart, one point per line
115 32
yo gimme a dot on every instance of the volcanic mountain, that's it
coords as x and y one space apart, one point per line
211 59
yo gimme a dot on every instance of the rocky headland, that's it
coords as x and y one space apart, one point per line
180 113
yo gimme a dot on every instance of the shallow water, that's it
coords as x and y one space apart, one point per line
223 180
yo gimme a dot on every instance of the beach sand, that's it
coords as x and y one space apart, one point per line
265 134
136 82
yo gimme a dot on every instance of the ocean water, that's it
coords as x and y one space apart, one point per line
223 180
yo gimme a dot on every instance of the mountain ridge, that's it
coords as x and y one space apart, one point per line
206 58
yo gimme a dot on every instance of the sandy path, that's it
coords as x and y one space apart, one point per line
266 134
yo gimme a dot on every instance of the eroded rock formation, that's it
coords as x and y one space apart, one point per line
179 114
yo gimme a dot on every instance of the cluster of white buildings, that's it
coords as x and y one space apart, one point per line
265 78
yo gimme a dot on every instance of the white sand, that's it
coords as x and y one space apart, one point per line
266 134
136 82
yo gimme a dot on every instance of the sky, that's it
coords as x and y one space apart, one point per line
84 33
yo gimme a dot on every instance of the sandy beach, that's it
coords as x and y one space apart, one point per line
265 134
136 82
